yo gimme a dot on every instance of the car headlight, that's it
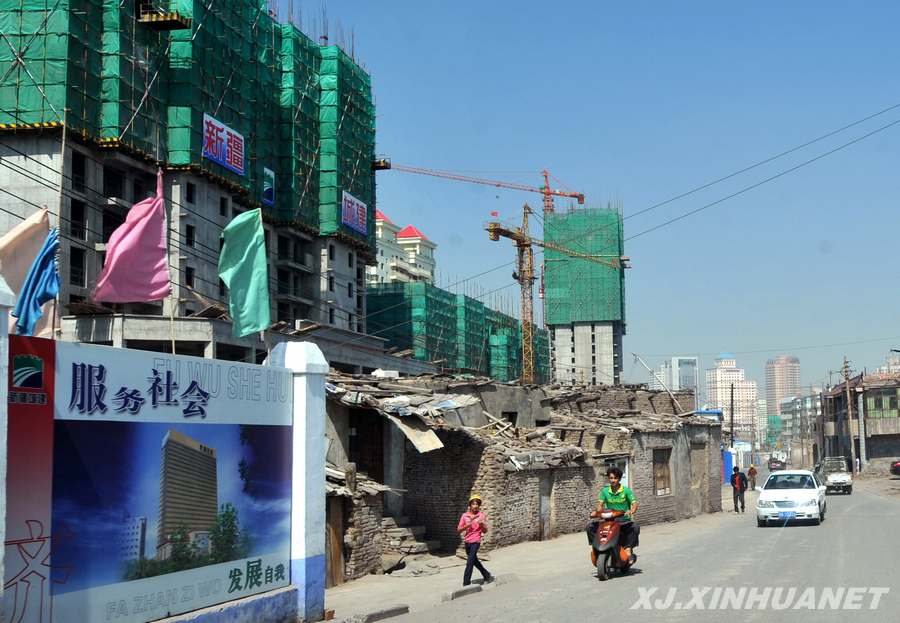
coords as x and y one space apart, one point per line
809 503
765 504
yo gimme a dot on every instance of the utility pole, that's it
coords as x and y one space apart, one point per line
846 372
732 415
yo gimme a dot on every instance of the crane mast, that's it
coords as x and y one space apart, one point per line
523 242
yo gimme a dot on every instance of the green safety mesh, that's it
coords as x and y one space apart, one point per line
305 112
455 330
347 118
578 290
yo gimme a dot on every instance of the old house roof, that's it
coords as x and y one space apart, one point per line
419 411
336 484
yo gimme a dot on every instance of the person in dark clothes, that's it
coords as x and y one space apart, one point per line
738 486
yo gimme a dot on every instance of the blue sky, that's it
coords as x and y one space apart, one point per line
646 101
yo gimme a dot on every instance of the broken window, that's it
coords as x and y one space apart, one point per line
511 417
661 475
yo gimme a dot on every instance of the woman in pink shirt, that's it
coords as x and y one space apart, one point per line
473 523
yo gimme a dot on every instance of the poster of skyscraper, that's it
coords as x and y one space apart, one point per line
171 485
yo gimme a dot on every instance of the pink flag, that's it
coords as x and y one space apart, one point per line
18 249
135 269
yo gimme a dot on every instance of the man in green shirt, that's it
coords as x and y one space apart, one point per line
618 497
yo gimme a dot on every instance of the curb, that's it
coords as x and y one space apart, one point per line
461 592
378 615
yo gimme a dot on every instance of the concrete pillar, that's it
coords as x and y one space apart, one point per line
7 302
394 457
308 475
118 331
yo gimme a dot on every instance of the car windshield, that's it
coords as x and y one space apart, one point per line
790 481
835 466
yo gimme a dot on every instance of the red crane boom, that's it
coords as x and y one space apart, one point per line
545 190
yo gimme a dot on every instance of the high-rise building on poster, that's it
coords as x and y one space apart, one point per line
188 489
133 538
782 381
726 385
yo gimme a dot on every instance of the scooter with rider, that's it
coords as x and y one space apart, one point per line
612 533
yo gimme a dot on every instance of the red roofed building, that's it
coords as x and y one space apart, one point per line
404 255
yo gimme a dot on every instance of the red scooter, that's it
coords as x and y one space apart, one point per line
606 553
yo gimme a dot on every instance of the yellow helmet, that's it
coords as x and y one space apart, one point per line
475 498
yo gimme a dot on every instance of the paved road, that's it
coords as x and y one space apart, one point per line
721 551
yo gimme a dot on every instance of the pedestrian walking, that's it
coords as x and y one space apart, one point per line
751 476
473 522
738 486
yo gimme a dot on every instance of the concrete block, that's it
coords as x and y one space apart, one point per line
461 592
378 615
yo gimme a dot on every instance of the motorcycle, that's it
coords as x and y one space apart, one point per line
606 553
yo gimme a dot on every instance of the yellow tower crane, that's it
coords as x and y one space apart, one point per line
524 274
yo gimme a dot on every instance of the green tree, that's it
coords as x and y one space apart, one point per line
184 551
225 536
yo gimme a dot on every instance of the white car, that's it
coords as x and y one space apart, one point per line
791 494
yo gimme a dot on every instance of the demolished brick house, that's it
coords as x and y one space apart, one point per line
537 455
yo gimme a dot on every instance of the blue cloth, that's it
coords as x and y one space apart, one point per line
41 285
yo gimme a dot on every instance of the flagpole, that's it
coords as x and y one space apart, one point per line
62 171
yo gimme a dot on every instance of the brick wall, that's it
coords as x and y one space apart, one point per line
362 539
439 484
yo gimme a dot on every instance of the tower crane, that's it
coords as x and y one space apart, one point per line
524 274
549 193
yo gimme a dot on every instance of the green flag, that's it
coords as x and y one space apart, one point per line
242 266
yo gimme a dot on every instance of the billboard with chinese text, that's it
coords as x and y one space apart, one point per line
170 481
223 145
354 213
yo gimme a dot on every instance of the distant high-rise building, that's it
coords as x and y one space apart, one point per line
892 366
679 373
719 383
782 381
188 488
133 537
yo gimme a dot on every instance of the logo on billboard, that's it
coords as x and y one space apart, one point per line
268 187
223 145
354 214
28 372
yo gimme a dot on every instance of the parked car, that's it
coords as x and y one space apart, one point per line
775 464
791 494
895 468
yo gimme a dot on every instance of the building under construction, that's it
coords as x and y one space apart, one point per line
454 331
584 302
239 111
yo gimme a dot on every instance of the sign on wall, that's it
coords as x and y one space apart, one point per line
223 145
354 213
268 186
170 480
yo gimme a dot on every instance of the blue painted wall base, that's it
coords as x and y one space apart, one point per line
279 606
308 574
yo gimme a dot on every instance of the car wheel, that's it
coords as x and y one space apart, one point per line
761 523
849 490
817 520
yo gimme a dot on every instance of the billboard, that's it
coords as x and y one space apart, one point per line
170 481
223 145
353 213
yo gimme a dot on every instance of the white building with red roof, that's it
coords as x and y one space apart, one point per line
403 255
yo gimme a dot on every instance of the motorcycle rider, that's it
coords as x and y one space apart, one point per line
618 497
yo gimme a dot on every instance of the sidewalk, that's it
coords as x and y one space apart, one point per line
521 562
